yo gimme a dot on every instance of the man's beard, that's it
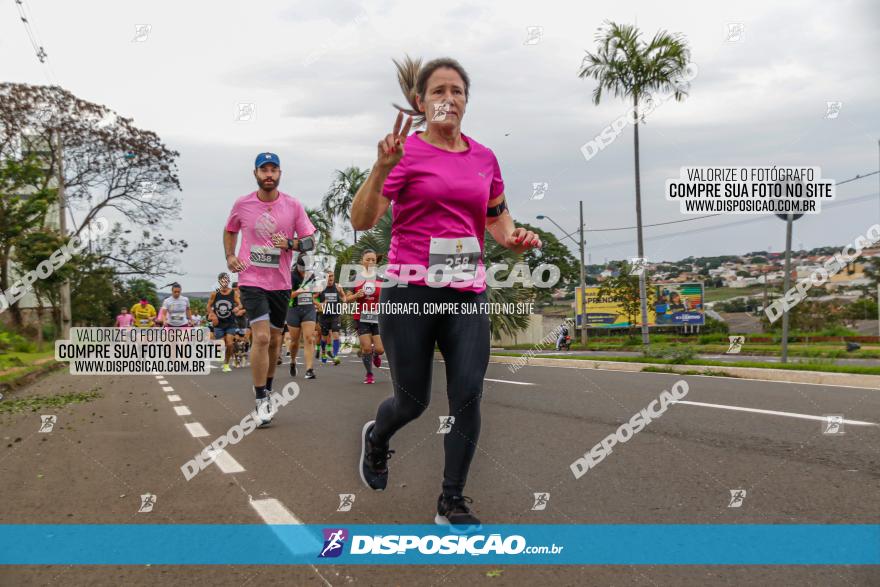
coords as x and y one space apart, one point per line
267 189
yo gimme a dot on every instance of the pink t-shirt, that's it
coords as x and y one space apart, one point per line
124 320
266 266
439 202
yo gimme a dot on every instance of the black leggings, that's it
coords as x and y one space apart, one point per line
463 339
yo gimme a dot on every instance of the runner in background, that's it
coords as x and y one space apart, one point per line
301 316
175 312
329 301
366 315
124 319
272 225
144 314
445 191
222 305
242 326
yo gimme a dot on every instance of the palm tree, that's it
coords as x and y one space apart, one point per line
631 69
337 201
323 224
378 238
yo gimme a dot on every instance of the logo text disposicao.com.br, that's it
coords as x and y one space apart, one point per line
451 544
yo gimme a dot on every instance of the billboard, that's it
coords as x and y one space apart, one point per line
679 303
673 304
604 312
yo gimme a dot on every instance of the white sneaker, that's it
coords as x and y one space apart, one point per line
265 412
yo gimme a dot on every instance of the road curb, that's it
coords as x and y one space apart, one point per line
816 377
27 378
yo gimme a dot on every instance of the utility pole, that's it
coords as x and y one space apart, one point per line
583 308
786 285
66 318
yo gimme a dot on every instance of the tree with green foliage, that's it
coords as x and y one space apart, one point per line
336 203
138 288
25 199
624 290
552 252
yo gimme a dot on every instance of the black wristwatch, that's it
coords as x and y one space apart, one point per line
290 244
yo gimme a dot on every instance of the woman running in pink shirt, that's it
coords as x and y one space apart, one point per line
445 191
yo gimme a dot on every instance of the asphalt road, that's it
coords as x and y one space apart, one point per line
102 455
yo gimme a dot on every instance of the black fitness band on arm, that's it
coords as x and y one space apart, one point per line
494 211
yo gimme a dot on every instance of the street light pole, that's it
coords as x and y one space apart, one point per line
583 308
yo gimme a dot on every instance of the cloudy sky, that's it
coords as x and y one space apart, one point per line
320 77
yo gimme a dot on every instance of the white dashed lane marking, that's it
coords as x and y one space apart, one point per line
173 398
196 429
182 411
224 461
167 388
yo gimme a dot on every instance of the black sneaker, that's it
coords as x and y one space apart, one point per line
454 511
374 460
292 368
310 373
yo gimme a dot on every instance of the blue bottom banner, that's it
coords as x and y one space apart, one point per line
603 544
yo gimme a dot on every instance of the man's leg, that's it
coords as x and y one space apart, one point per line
274 350
260 352
230 346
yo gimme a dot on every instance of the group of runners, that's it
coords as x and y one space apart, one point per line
175 312
445 192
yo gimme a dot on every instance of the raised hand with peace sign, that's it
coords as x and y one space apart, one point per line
390 149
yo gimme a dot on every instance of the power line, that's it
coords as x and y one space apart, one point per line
38 48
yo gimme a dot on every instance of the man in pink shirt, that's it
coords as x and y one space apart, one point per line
272 226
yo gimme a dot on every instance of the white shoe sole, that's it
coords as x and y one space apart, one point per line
364 448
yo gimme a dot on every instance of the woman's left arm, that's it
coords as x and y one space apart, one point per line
506 233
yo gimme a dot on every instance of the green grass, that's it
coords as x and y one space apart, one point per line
806 366
20 364
14 359
717 294
39 402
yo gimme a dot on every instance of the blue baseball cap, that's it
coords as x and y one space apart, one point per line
264 158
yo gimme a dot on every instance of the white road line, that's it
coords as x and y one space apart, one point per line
773 413
163 382
224 461
182 411
173 398
196 429
167 388
273 511
505 381
298 541
159 376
